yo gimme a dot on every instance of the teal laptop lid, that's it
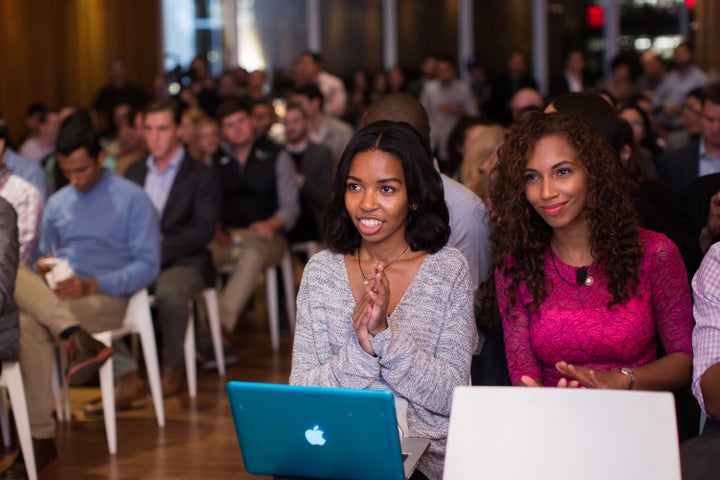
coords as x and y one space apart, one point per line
315 432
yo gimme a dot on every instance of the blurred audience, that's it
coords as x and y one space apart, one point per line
315 171
465 131
39 146
428 72
446 99
691 119
322 128
525 99
573 78
653 71
118 91
479 159
671 91
515 77
309 70
208 140
188 130
621 81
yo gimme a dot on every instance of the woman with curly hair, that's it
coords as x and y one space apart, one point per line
583 291
389 306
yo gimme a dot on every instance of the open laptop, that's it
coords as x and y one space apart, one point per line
316 432
555 433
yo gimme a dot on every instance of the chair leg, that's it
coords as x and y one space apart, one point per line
272 303
13 380
4 417
57 387
65 391
289 285
190 366
139 312
213 314
107 389
152 366
61 388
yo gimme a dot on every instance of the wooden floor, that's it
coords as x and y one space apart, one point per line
198 440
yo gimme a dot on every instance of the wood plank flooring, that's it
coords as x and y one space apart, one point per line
198 440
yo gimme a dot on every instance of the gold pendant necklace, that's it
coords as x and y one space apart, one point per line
387 265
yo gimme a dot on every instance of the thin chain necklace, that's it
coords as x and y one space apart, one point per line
581 274
362 274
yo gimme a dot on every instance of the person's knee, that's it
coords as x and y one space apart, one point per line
169 300
31 330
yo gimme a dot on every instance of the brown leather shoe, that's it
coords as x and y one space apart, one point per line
46 460
172 380
129 394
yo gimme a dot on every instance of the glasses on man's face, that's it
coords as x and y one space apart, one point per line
691 111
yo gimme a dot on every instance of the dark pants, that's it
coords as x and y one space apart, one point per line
174 288
700 456
489 368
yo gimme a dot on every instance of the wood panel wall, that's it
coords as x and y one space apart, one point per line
59 52
707 36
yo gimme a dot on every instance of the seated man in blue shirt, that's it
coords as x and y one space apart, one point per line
107 229
186 196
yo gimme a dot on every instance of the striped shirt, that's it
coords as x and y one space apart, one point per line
28 204
706 335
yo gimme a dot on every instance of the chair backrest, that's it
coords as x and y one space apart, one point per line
551 433
138 307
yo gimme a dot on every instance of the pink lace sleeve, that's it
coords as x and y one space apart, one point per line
520 357
671 297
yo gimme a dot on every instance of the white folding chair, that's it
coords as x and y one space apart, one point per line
12 380
61 387
137 320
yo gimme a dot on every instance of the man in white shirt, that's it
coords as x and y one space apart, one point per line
308 69
446 99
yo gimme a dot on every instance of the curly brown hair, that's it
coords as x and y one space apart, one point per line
518 231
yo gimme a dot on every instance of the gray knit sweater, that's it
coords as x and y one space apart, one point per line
423 355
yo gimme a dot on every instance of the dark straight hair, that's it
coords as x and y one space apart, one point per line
77 131
428 221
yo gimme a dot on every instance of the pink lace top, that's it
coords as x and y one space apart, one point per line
574 323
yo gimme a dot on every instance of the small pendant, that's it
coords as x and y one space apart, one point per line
589 281
366 281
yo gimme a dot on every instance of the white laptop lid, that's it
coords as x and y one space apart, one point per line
553 433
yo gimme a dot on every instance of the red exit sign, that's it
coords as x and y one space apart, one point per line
595 16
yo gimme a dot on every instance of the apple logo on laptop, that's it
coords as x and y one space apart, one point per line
315 436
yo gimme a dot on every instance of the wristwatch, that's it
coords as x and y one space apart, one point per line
631 377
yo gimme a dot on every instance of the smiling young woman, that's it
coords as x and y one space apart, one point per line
583 292
389 306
